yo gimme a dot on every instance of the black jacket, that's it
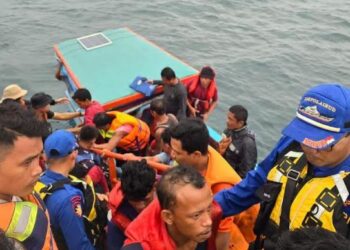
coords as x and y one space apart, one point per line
242 152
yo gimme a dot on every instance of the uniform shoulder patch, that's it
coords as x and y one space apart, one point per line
76 205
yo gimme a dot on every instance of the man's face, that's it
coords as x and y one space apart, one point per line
19 167
44 109
205 82
21 101
329 157
232 122
87 144
191 215
166 81
166 147
180 155
141 205
82 104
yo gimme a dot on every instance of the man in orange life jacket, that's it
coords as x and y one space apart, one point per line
123 131
128 198
190 147
202 94
183 217
23 214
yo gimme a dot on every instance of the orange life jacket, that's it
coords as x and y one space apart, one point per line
116 197
220 172
211 89
28 222
153 235
136 140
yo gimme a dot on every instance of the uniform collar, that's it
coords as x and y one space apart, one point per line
328 171
54 175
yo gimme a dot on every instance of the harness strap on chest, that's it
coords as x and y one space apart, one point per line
327 200
293 176
51 188
342 186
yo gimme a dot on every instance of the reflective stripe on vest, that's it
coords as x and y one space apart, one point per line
23 221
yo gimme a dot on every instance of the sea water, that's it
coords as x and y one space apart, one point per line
266 53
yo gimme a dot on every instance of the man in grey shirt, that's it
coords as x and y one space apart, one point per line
175 93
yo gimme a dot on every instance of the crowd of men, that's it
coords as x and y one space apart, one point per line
56 192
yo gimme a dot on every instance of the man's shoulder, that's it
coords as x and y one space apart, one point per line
95 104
220 170
181 87
249 137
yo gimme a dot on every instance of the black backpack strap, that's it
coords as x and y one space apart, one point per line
49 189
290 190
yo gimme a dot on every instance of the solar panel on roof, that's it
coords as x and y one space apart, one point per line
94 41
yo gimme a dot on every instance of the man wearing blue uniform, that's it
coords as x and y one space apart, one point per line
304 181
65 205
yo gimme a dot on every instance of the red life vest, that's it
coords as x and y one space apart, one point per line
116 198
154 235
211 89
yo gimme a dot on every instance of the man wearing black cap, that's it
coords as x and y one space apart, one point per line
41 102
202 94
305 180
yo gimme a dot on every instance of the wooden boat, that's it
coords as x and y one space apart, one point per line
106 63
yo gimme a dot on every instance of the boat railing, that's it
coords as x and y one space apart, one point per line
112 156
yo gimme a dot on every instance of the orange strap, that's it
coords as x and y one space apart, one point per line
159 167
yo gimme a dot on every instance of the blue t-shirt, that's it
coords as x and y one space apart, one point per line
65 208
242 196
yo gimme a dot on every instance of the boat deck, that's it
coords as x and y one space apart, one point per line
107 71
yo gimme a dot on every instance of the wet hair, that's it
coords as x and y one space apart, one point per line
193 135
88 133
240 112
15 122
312 238
102 119
157 105
137 180
82 95
166 136
173 179
167 73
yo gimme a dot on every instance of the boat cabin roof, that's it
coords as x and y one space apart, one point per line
107 71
